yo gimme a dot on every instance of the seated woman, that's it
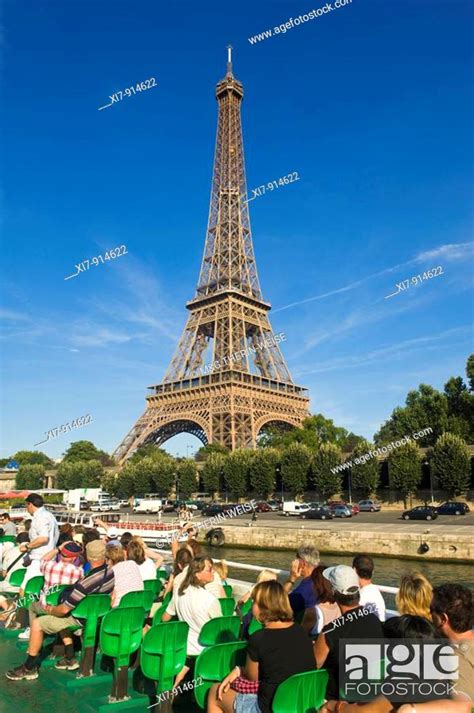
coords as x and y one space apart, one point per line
414 595
136 552
192 603
276 652
266 575
315 618
126 573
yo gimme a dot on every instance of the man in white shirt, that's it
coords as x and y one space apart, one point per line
44 533
369 594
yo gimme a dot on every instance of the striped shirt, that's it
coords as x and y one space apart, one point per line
100 580
61 572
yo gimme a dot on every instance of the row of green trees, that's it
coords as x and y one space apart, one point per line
300 468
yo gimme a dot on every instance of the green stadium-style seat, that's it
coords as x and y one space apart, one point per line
120 637
33 589
254 626
246 607
227 589
142 599
303 692
163 653
214 663
220 630
92 608
227 606
15 579
162 574
7 538
161 610
154 585
53 598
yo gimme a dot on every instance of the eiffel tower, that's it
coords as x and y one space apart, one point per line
228 378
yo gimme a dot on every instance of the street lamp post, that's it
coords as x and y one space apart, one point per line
427 463
187 450
349 483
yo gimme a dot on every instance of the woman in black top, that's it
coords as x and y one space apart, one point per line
276 652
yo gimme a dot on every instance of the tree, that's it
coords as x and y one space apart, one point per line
236 472
30 477
295 465
85 450
364 469
206 451
187 478
213 471
262 471
32 458
149 449
126 482
79 474
327 457
451 464
470 372
159 472
110 483
315 430
424 407
405 469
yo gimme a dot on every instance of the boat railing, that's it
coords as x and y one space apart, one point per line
285 572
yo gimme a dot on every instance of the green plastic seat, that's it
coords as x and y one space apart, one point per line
227 606
153 585
92 608
227 589
255 625
162 574
7 538
163 653
32 589
142 599
214 663
220 630
52 599
15 579
120 637
303 692
246 607
161 610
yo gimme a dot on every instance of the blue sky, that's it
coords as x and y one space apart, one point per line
371 105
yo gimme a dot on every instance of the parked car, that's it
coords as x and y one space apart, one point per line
168 505
216 509
314 506
189 504
262 507
369 506
290 507
421 512
341 511
318 513
352 507
105 506
124 503
452 508
274 505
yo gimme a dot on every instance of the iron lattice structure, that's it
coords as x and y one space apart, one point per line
228 378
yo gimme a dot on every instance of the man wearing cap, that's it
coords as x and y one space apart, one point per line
355 622
57 568
59 619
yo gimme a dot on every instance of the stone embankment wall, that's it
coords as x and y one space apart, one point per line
442 547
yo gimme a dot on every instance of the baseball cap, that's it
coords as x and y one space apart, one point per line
70 549
95 550
112 533
343 579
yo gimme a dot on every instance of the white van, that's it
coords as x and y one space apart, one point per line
291 507
148 505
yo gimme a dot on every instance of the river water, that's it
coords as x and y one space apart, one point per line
387 570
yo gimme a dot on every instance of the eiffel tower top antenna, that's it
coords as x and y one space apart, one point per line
229 59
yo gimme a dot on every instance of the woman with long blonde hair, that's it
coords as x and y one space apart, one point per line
414 595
